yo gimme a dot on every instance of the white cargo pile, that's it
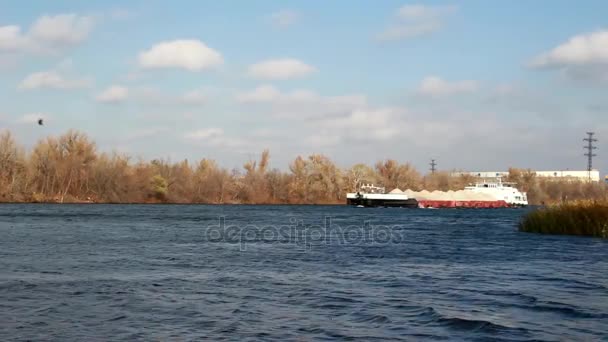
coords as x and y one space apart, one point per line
478 195
460 195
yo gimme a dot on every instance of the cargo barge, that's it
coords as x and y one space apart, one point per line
479 195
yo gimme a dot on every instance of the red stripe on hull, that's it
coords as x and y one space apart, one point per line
462 204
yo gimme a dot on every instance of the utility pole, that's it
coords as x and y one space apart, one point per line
589 148
433 166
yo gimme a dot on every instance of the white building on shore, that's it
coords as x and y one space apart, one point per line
572 175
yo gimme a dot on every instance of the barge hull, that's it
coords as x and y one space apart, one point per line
367 202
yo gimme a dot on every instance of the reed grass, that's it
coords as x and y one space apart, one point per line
584 218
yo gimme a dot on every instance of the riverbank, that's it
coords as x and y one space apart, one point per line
583 218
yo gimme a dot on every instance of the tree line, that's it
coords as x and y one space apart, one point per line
69 168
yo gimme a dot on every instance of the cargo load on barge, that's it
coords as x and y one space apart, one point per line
479 195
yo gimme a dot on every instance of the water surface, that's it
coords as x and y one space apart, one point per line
180 273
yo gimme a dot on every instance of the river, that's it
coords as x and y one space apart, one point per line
189 272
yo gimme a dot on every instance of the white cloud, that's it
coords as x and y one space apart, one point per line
281 69
583 58
263 93
330 119
409 31
364 124
322 140
151 96
62 29
301 104
206 133
51 80
320 123
337 125
113 94
583 49
415 21
188 54
284 18
11 38
47 33
216 137
435 86
423 12
148 132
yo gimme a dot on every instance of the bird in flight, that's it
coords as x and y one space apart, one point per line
40 122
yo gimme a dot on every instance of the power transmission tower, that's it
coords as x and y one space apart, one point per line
433 166
589 147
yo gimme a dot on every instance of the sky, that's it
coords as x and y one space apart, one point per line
475 85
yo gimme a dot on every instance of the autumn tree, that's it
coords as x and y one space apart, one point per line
441 181
324 180
524 178
211 184
111 179
254 183
278 186
44 168
298 185
394 175
461 181
181 182
12 167
159 188
75 156
358 175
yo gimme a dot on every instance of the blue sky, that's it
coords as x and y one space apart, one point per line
473 84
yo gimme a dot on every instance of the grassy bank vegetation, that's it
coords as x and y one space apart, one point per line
69 168
586 218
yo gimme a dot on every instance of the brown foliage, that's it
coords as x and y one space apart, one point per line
395 175
12 168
